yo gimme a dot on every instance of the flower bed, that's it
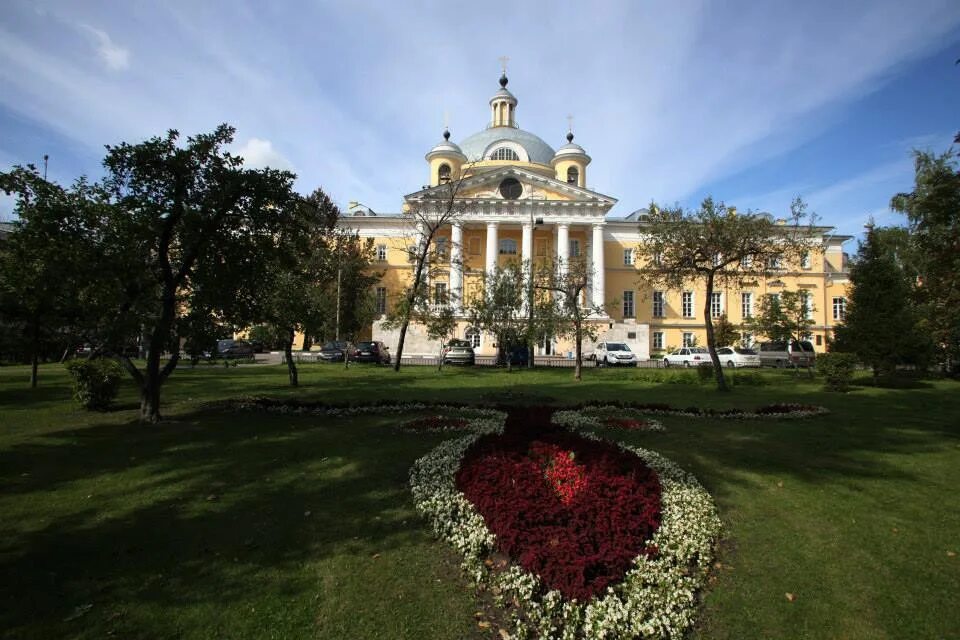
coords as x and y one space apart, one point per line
597 417
655 597
434 423
784 410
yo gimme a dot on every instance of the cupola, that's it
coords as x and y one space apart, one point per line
503 106
570 162
446 161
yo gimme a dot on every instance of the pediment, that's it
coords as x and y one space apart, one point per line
485 186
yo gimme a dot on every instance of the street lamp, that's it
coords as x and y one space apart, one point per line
530 301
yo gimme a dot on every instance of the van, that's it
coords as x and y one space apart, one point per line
796 353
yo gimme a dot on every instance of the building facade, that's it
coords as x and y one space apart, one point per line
518 199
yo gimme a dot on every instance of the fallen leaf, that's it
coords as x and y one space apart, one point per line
952 554
483 624
478 614
376 555
791 597
780 484
212 497
895 530
78 612
306 514
504 634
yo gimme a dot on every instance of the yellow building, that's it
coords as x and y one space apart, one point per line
521 200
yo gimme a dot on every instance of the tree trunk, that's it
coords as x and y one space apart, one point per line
711 347
578 363
291 365
35 357
150 400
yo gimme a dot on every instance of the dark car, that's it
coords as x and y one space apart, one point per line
231 349
519 357
458 352
335 351
371 351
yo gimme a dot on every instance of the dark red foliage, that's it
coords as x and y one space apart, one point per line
785 407
627 423
571 510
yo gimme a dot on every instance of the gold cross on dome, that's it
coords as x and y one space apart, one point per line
570 123
503 63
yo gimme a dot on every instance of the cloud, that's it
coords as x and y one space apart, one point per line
114 56
259 154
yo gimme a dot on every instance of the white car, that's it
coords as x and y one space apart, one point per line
738 357
687 357
614 353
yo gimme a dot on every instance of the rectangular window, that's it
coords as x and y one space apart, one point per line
475 246
687 304
412 253
628 304
628 257
775 262
807 305
746 339
381 253
381 300
746 262
439 293
688 339
716 305
805 260
658 339
442 247
839 309
746 305
657 259
658 304
574 248
542 248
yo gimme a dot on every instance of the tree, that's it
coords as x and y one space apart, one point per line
499 311
45 264
880 325
189 225
561 313
784 316
718 245
427 214
725 332
933 211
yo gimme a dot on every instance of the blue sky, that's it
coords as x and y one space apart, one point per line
751 102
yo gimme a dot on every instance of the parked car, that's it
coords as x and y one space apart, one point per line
687 357
458 352
518 355
738 357
258 346
371 351
335 351
230 349
796 353
613 354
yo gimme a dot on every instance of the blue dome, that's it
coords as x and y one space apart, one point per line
475 146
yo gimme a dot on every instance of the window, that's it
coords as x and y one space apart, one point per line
716 305
412 253
746 339
574 248
443 247
475 246
508 247
819 340
381 253
746 305
381 300
807 305
657 259
687 304
628 257
573 175
444 174
473 335
839 309
805 260
717 259
658 339
775 262
628 304
439 293
504 153
746 262
689 340
658 304
542 248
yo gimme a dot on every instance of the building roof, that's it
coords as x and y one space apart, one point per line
475 147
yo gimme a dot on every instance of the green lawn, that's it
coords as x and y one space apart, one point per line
257 525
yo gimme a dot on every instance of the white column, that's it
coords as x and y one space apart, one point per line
492 247
456 266
563 248
526 259
598 272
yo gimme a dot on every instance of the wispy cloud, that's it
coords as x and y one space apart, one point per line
114 56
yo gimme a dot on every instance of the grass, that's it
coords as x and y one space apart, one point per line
257 525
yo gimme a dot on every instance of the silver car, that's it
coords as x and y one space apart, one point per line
458 352
738 357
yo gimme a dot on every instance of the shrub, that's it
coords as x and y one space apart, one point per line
95 382
705 373
837 370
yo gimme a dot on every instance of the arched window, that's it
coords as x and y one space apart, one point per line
573 175
444 173
473 335
508 247
504 153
